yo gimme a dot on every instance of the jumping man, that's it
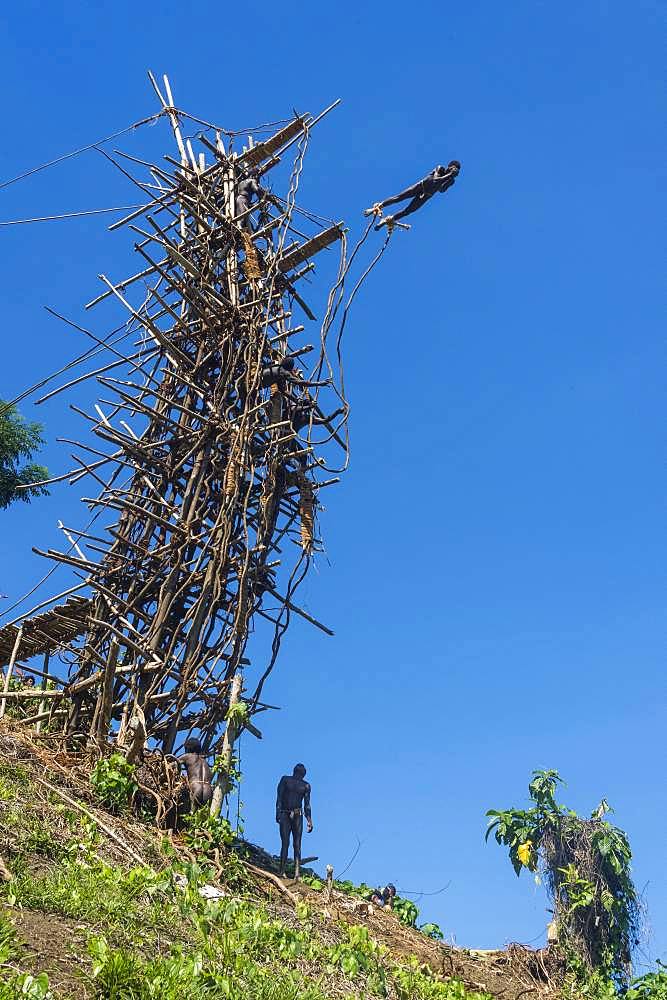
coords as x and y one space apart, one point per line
437 182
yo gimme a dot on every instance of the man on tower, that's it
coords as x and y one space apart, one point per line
247 190
437 182
292 803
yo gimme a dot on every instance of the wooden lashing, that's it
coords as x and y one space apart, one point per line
232 470
306 513
252 265
269 498
276 411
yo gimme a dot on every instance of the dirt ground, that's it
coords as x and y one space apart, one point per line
507 975
57 945
53 945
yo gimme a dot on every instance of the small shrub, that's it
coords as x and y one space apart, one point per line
433 931
313 882
652 986
204 832
113 782
23 986
413 982
359 953
406 911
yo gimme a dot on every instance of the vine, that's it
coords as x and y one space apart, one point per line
585 864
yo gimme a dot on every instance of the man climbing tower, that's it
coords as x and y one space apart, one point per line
437 182
247 190
304 413
199 774
292 803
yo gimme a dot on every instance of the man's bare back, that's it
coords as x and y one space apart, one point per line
199 774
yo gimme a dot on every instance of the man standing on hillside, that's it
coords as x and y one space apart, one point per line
292 803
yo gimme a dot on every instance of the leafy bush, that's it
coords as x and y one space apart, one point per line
652 986
362 891
312 881
406 911
586 867
113 782
359 953
414 983
433 931
204 832
24 986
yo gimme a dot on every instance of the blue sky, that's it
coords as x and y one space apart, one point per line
494 560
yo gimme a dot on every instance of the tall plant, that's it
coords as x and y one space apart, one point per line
585 864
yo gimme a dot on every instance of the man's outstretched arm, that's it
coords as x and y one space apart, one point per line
306 808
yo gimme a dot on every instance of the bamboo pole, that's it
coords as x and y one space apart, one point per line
8 672
224 782
45 682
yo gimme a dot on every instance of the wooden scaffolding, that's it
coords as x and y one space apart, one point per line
220 423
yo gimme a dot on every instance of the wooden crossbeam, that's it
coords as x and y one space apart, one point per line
263 150
311 247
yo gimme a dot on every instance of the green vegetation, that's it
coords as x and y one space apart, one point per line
150 935
586 866
113 782
147 934
229 948
652 986
406 911
433 931
237 714
204 832
18 441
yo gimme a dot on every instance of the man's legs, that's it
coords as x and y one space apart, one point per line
412 207
201 794
242 205
409 192
297 831
285 825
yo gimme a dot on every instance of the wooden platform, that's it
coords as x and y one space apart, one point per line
47 631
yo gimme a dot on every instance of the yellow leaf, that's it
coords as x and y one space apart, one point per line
524 852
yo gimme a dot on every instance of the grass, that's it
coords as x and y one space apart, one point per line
148 938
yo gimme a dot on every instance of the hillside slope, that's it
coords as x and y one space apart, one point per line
108 907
